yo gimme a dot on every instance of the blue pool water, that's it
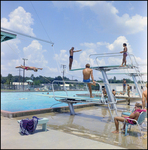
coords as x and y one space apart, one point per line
21 101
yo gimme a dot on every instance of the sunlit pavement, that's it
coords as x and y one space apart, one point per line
91 127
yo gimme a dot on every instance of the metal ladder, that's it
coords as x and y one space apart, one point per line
137 71
111 105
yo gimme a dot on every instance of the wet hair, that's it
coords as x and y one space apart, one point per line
124 44
87 66
138 105
113 90
35 70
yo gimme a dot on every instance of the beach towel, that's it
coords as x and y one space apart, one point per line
28 126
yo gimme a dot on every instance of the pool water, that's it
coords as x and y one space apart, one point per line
21 101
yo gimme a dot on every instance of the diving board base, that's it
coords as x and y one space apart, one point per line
72 112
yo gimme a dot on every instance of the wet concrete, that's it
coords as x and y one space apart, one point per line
95 123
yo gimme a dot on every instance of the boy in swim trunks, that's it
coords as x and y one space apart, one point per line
29 68
87 72
124 85
71 51
124 54
133 115
128 93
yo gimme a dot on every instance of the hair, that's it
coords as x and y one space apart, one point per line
113 90
138 105
128 85
124 44
87 65
35 70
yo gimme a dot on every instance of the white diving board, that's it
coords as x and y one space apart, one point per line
130 73
74 99
107 68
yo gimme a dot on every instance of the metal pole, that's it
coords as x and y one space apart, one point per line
108 90
19 77
64 66
28 36
137 87
24 72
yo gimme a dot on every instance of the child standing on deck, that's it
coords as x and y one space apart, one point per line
124 54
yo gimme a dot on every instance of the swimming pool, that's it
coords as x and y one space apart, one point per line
22 101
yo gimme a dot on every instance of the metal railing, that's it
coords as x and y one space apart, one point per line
75 82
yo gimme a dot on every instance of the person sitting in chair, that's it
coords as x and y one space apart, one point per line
29 68
134 115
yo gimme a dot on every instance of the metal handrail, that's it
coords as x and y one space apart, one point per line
117 54
65 87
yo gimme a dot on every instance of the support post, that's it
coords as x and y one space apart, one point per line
106 83
109 93
72 112
137 87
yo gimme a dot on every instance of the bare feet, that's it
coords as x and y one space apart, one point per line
121 66
91 96
115 131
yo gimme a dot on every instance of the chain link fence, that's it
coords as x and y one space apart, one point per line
42 87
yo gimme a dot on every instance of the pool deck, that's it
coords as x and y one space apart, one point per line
90 128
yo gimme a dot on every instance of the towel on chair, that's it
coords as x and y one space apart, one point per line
28 126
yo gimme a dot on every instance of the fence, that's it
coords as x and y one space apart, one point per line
8 87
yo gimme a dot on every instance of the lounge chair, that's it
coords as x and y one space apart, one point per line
139 122
128 114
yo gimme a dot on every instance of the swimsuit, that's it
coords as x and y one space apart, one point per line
124 84
125 53
26 68
71 57
87 81
131 121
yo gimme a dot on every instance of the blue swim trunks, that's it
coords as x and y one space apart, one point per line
87 81
71 57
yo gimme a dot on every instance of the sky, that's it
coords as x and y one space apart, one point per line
95 27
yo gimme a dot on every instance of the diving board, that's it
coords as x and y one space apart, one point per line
107 68
130 73
5 36
74 99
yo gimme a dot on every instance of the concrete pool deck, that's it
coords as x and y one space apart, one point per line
90 128
52 139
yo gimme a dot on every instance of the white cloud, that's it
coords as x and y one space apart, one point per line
19 20
117 45
108 18
62 57
34 54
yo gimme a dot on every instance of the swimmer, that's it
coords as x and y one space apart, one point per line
87 72
29 68
71 51
124 54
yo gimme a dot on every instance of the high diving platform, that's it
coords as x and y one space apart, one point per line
107 68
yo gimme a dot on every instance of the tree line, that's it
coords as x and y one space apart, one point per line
45 80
